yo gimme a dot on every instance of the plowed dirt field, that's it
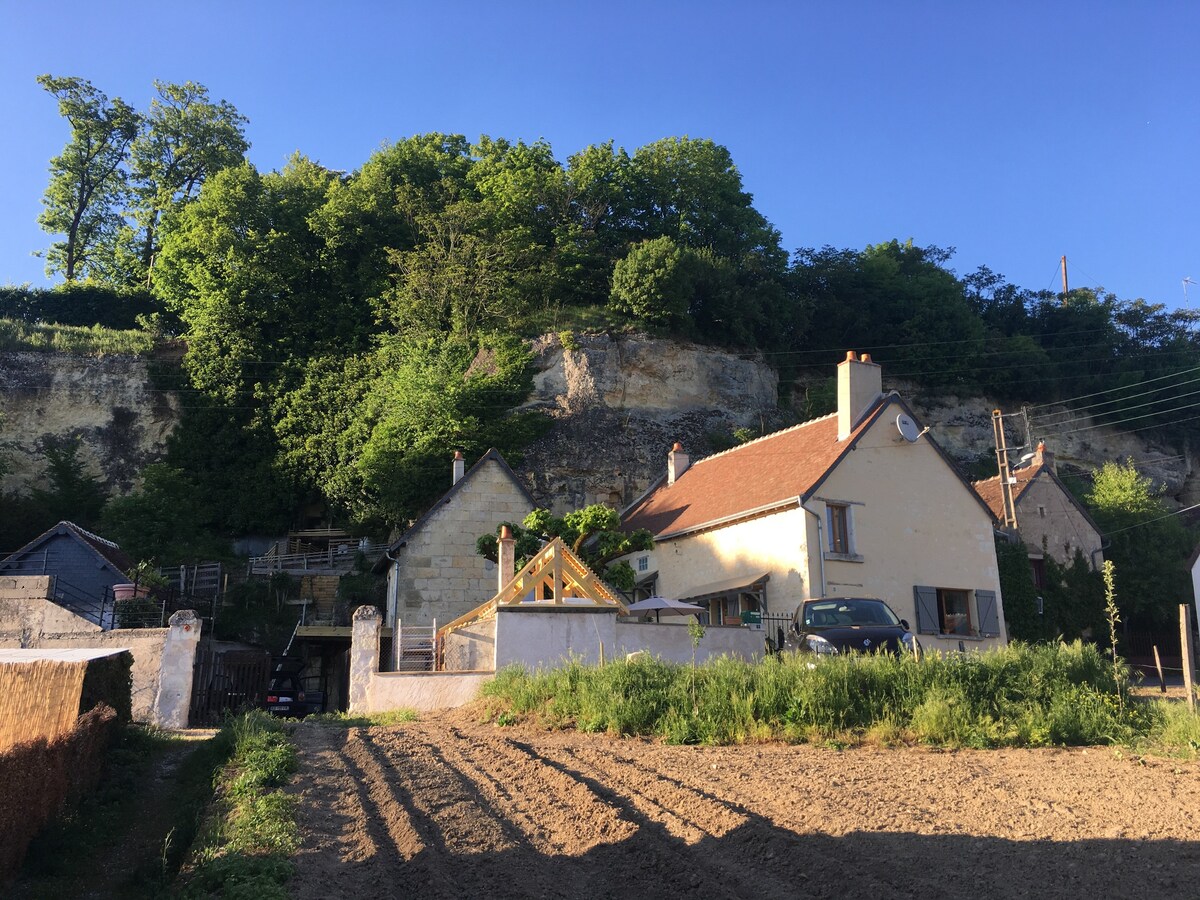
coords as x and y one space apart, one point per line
448 808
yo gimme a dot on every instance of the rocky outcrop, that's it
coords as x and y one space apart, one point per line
620 403
963 427
107 404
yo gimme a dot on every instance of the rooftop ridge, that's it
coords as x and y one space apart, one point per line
90 536
765 437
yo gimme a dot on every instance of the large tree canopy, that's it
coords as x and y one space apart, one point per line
88 180
185 139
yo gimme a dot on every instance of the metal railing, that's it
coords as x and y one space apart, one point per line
99 610
340 558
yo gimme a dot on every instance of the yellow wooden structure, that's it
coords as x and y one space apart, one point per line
554 577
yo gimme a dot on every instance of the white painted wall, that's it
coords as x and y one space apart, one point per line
674 644
423 691
471 648
918 525
777 544
546 638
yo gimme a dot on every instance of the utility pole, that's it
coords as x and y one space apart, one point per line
1006 479
1064 274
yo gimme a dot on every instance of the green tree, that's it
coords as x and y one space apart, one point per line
593 533
253 282
184 139
1148 545
896 300
1019 592
170 518
87 180
70 491
654 284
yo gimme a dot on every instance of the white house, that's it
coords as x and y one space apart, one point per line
862 502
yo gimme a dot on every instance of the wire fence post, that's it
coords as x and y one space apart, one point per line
1185 646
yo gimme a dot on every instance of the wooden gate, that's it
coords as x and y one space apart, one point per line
227 682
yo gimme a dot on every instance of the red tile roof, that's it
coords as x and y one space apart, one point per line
766 473
990 489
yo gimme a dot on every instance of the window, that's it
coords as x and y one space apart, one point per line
839 528
954 611
1038 568
957 611
643 563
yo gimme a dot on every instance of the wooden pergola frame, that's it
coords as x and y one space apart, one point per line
555 577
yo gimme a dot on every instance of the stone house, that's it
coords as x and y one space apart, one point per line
433 571
1050 521
862 502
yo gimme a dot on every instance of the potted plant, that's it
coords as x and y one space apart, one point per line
144 578
134 606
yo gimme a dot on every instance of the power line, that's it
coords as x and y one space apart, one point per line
1111 390
1118 422
1121 411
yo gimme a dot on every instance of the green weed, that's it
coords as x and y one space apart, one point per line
252 830
1020 695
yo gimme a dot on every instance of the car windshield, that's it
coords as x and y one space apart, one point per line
835 613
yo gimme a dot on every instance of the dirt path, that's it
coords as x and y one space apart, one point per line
445 808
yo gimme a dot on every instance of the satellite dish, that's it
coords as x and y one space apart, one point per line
908 428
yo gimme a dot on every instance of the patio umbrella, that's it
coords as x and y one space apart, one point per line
663 606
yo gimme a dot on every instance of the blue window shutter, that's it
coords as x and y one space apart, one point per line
989 616
927 610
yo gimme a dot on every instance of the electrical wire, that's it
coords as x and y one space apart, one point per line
1072 412
1111 390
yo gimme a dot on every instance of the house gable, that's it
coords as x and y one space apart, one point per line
434 571
1047 512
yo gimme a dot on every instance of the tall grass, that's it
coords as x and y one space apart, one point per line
1020 695
81 340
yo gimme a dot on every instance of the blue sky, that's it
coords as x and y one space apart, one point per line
1015 132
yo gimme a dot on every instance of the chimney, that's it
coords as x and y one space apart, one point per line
677 463
459 468
1043 457
506 558
860 384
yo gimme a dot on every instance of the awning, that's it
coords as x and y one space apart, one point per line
739 584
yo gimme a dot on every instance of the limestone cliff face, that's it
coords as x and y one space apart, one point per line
963 427
108 404
620 403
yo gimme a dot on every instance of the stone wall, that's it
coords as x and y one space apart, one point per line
26 612
438 575
106 403
162 657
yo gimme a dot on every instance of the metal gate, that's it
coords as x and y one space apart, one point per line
776 628
224 683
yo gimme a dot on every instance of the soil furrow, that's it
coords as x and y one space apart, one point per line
447 807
